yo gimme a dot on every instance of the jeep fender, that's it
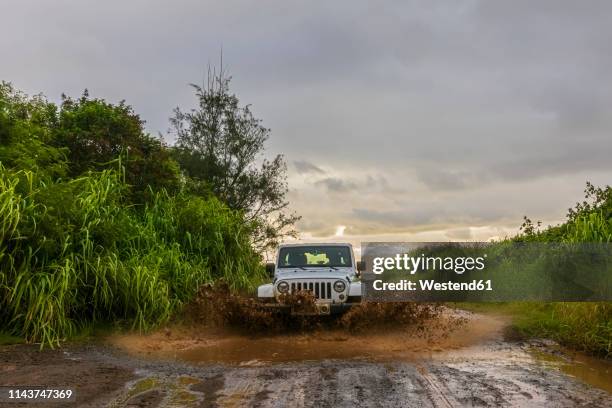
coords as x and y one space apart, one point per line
265 291
355 289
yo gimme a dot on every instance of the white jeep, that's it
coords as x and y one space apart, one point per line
328 271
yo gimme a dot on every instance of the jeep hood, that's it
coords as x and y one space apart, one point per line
313 273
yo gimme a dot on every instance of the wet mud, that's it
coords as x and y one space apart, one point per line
471 365
95 381
201 345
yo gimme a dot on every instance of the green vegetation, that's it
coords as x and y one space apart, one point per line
99 224
7 339
585 326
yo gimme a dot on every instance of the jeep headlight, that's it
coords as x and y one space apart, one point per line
339 286
282 287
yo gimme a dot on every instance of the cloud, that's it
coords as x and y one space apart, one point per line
363 183
316 227
445 180
336 185
463 234
402 219
305 167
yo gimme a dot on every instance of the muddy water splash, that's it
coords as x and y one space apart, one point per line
201 345
216 306
221 327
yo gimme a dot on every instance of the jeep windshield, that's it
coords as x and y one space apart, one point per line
314 256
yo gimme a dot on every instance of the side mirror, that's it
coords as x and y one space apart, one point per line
361 266
270 267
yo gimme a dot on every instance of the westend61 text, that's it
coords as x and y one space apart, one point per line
429 285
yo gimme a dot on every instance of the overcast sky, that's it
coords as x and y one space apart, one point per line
444 120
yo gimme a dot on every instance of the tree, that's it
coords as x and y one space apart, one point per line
219 144
96 133
26 127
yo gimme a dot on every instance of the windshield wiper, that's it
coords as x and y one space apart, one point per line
333 267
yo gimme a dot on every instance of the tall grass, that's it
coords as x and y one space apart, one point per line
590 227
585 326
74 252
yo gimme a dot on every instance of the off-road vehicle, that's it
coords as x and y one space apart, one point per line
328 272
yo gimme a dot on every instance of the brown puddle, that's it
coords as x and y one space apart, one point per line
199 346
591 370
277 349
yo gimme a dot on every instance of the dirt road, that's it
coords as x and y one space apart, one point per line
474 366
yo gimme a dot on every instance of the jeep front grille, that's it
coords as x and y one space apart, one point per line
321 290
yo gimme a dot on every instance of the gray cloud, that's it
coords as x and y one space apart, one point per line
413 216
394 218
374 184
446 180
336 185
305 167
